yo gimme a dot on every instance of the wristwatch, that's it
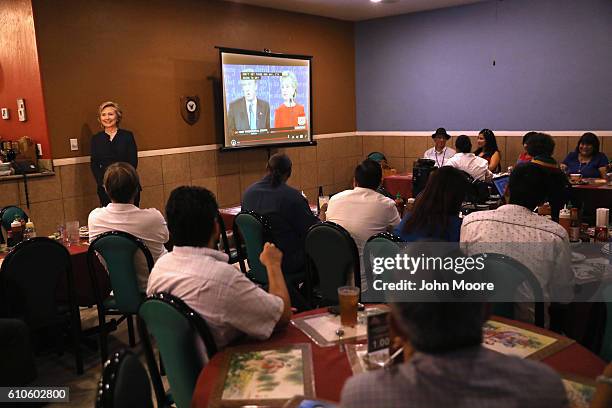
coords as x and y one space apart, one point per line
603 379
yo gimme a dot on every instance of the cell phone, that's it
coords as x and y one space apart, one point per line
335 310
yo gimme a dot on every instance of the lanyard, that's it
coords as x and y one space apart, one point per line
436 155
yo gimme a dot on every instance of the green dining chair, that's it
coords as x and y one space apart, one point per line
332 255
251 232
234 254
184 341
124 383
29 277
385 245
117 249
508 273
7 216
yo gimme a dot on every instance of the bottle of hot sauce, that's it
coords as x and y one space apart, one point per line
17 230
574 235
565 219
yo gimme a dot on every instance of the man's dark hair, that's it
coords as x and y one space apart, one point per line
368 174
463 144
527 136
528 185
191 213
121 182
279 167
540 144
439 327
589 138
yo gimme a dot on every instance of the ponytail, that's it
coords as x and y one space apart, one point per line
279 167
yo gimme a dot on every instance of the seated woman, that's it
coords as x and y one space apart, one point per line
488 150
436 210
586 159
525 157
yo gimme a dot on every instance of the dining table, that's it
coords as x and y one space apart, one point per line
399 183
591 194
332 368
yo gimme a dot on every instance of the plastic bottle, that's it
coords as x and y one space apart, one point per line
30 231
399 203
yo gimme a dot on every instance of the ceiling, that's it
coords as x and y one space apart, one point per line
355 10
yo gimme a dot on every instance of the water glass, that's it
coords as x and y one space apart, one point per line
72 232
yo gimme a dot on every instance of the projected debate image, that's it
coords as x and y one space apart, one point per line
266 100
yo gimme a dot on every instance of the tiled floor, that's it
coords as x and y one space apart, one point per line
54 370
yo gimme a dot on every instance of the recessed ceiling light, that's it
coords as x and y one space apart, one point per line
375 1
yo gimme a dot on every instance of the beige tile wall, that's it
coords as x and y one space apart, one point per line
71 194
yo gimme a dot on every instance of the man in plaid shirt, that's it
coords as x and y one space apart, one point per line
448 367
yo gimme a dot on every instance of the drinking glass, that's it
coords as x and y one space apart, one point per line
348 297
72 232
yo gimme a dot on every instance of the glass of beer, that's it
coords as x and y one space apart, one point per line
348 297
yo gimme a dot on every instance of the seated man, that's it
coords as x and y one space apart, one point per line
122 184
516 231
475 166
288 212
540 146
197 273
362 211
439 153
447 366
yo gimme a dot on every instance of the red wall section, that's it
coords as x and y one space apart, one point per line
20 74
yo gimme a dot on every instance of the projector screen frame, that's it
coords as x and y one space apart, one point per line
265 53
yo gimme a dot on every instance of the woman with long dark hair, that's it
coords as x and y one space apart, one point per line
488 150
586 159
436 210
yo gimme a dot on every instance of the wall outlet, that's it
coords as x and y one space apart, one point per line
74 144
5 113
21 110
39 149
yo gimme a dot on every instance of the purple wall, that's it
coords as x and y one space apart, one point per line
553 67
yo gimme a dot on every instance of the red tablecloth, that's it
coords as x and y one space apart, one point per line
332 369
401 183
228 214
